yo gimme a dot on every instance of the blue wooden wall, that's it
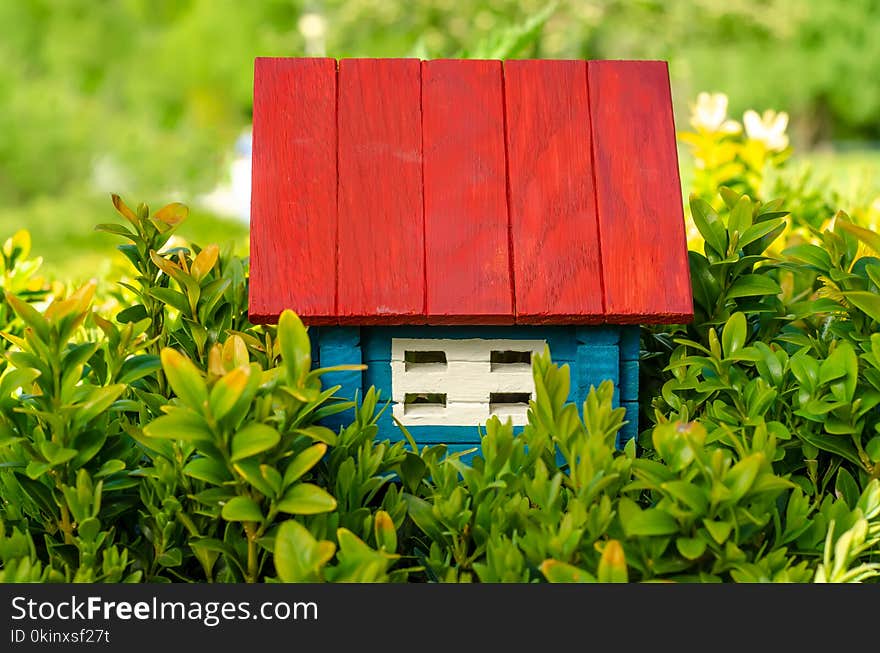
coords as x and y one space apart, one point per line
593 354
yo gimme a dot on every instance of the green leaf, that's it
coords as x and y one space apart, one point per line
306 499
690 547
37 490
751 285
298 556
88 444
185 378
109 468
272 478
179 424
99 401
172 214
422 514
173 298
847 487
227 390
842 363
204 262
412 470
758 231
208 470
296 350
873 449
873 272
709 225
742 475
691 495
841 446
385 532
556 571
36 469
134 313
867 236
55 453
733 337
123 209
805 369
612 564
303 462
253 439
241 509
251 471
740 216
867 302
115 228
810 254
648 522
719 530
319 434
30 316
730 196
89 529
137 367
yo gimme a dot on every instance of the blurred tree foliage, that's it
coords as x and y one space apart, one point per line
149 95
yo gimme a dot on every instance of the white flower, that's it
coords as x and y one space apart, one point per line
709 114
312 25
313 28
768 128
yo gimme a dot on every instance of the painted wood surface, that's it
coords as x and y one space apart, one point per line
381 231
293 196
556 260
644 253
376 340
467 263
340 346
467 380
401 192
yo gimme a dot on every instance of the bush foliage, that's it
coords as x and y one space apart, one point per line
150 433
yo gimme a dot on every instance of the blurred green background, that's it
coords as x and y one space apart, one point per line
152 98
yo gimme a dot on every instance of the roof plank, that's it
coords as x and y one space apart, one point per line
381 231
556 259
293 197
467 267
641 221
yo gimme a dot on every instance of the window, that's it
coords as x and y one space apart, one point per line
461 382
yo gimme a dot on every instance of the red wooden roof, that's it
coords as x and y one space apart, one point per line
399 191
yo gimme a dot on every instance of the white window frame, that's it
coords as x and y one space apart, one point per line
468 378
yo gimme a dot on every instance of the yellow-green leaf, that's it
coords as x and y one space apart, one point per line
557 571
253 439
204 262
227 390
612 564
303 462
241 509
123 209
386 533
172 214
306 499
296 350
298 556
185 379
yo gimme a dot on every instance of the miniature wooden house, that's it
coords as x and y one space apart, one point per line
440 221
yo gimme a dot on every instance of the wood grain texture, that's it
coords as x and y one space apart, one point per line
556 260
641 222
293 196
467 266
381 231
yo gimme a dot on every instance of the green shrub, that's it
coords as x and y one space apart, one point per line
150 433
